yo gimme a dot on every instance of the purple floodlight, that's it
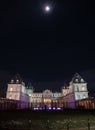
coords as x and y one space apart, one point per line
58 108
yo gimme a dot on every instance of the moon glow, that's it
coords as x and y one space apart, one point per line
47 8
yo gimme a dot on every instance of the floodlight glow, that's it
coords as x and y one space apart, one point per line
58 108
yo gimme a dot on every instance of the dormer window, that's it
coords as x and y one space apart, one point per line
82 80
12 81
17 81
76 80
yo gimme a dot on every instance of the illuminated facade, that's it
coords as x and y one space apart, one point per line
47 97
77 90
17 91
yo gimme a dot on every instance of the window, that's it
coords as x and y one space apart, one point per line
12 81
11 89
76 80
78 96
82 80
84 96
64 93
15 96
10 97
83 88
38 100
17 81
77 88
17 89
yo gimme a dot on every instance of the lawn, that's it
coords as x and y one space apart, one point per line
47 120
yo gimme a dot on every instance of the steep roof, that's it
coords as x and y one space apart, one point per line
77 79
16 79
29 86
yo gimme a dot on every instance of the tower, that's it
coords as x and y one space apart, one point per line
79 87
29 92
29 89
16 88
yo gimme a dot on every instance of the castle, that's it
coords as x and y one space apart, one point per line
67 98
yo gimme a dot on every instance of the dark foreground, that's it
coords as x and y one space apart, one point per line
47 120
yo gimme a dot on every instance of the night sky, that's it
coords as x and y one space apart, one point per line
49 46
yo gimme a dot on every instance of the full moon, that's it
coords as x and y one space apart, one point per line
47 8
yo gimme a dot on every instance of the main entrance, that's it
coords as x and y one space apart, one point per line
47 102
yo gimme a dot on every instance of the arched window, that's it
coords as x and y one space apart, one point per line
17 81
76 80
12 81
82 80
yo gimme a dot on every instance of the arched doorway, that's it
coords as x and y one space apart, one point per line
47 102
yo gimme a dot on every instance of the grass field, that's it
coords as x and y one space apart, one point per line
48 120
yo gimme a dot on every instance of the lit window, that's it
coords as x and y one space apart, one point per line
29 94
82 80
12 81
76 80
83 88
11 89
84 96
17 81
10 97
